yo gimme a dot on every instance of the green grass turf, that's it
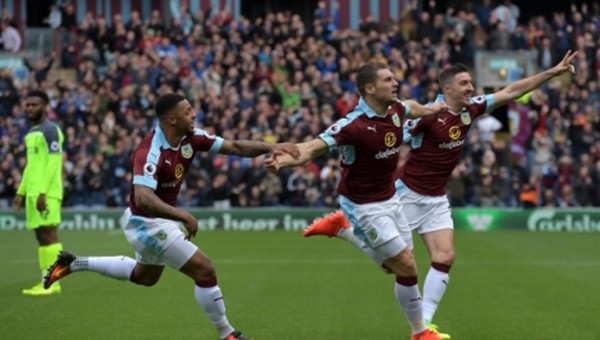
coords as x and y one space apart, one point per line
277 285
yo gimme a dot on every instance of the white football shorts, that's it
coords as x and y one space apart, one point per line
424 213
381 225
157 241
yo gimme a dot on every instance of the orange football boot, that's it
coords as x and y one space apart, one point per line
329 225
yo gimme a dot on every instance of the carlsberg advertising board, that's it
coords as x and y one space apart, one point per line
537 220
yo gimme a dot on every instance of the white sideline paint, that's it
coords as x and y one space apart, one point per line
464 262
346 262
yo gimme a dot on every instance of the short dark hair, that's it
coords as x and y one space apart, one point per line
166 103
451 71
367 74
40 94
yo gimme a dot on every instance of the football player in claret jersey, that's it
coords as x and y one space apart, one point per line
160 163
41 189
436 144
370 139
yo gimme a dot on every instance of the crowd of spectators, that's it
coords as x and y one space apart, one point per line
277 78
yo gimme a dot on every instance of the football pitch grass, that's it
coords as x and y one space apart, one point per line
278 285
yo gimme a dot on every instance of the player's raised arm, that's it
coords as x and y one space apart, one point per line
417 110
307 151
521 87
249 148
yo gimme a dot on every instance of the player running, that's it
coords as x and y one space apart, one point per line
436 145
160 163
370 139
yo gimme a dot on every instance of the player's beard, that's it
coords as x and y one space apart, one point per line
35 117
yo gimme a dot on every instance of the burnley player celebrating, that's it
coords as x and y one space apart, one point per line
370 139
436 144
160 163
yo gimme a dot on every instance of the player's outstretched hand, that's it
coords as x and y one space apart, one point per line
289 148
565 64
271 164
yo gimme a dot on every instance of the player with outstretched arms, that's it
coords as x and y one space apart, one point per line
436 144
370 139
160 163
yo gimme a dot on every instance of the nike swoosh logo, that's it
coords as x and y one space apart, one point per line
444 282
60 271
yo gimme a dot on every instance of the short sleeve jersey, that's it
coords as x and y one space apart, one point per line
43 172
370 147
162 168
436 145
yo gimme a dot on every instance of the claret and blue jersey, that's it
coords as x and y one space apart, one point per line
436 145
161 167
370 148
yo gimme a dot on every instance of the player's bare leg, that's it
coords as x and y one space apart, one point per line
146 274
208 294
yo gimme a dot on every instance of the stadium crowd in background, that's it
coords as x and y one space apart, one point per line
275 79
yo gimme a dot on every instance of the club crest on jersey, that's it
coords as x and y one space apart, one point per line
454 132
186 151
396 120
465 117
179 171
54 146
389 139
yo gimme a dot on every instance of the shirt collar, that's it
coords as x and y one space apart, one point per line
364 107
163 139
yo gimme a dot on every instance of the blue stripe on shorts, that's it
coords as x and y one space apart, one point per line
348 209
141 234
